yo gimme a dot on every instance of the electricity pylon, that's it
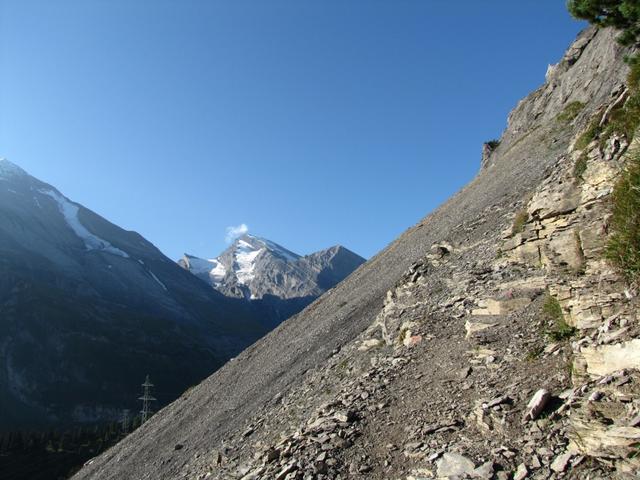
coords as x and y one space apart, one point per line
125 422
146 398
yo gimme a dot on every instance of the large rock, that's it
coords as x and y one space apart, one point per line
603 360
455 466
492 306
593 438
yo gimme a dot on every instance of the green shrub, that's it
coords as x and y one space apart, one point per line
534 353
570 112
623 120
493 144
552 310
519 221
582 266
589 135
633 79
580 166
623 246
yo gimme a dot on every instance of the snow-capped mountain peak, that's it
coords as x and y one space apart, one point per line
254 267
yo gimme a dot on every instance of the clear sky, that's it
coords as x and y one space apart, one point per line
312 122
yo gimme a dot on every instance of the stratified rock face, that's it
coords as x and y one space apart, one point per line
87 309
253 267
433 359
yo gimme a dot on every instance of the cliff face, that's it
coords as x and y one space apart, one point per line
444 356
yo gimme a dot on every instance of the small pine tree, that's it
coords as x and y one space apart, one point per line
621 14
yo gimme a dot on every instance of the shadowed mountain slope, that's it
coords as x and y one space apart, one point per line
87 309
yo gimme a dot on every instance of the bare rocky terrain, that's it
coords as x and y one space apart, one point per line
445 356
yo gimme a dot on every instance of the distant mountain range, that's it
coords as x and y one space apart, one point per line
87 309
276 280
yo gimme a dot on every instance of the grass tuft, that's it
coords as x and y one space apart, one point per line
623 246
560 330
580 167
534 353
570 112
519 221
589 135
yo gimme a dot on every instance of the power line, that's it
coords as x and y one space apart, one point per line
146 398
125 422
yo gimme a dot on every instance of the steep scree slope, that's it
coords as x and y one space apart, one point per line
393 370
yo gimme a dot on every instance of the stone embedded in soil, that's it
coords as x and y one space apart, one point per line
536 404
455 465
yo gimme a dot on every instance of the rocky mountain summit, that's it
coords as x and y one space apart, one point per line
254 267
88 309
489 341
279 281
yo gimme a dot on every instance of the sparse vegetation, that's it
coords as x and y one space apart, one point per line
534 353
560 329
571 369
581 268
493 144
580 167
402 335
343 364
624 119
623 247
570 112
633 79
589 135
552 308
519 221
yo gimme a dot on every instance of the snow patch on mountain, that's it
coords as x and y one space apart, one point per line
277 249
245 256
218 272
158 281
211 268
69 211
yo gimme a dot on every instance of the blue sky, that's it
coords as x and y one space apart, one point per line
312 122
